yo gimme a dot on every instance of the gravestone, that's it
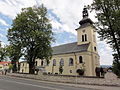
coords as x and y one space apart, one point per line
110 76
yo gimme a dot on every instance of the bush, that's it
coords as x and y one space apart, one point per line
80 71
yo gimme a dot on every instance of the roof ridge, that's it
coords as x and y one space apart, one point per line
64 44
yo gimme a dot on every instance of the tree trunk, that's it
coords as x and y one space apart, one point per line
116 43
31 68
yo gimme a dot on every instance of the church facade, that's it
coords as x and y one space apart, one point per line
77 58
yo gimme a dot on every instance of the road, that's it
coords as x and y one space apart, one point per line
14 83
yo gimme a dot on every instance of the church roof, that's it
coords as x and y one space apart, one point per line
69 48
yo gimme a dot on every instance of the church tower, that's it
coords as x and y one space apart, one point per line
86 33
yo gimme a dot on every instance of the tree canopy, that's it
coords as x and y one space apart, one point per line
108 15
32 31
3 54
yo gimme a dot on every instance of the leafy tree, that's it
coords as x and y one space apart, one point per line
60 69
3 54
14 54
108 15
31 30
116 65
10 67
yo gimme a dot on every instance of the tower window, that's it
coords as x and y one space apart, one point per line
80 59
61 62
71 62
85 37
82 38
54 62
95 48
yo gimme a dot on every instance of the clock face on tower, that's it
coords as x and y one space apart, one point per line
83 31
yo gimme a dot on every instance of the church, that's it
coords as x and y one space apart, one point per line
77 58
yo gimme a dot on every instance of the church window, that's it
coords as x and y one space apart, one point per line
61 62
23 64
71 62
36 63
80 59
82 38
41 63
54 62
95 48
85 37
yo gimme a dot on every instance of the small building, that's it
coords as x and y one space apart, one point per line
4 65
74 58
24 67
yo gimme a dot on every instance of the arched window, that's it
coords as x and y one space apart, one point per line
36 63
71 62
95 49
54 62
41 63
61 62
85 37
80 59
82 38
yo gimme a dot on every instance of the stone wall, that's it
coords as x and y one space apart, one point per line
71 79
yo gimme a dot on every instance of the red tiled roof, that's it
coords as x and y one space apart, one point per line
4 62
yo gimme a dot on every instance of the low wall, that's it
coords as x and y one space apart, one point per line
71 79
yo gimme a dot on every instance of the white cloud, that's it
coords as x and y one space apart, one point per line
12 7
1 35
2 44
3 22
105 53
68 11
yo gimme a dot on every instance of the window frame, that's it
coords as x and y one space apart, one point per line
80 59
71 62
61 62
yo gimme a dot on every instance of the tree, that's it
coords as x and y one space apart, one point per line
116 65
3 54
14 54
61 69
108 15
31 29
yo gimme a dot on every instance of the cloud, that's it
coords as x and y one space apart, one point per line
1 35
105 53
3 22
68 11
12 7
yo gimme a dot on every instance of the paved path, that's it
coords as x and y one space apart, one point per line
13 83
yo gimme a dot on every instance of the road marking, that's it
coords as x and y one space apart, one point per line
33 85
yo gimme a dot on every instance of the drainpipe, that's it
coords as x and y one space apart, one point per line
76 65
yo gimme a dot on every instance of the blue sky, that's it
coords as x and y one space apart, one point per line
64 16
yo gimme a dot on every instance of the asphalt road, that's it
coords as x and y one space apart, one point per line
13 83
